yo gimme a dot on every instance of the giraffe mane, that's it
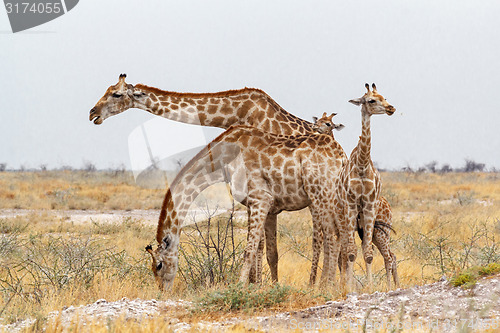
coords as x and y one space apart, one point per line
225 93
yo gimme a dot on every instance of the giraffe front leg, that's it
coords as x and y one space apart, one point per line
257 216
317 241
257 268
271 245
367 224
252 276
349 244
331 252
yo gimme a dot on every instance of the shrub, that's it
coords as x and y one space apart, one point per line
238 297
210 254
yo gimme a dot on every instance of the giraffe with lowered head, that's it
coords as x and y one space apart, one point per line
282 173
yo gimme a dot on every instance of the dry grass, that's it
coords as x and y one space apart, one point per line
445 223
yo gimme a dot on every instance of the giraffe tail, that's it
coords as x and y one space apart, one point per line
382 225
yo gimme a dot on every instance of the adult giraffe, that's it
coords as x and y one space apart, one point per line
282 173
248 106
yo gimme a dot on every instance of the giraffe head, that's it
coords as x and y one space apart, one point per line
118 98
373 103
165 261
325 125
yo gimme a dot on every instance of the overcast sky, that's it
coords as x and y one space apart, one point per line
437 62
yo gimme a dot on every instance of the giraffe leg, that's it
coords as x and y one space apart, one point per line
349 244
332 249
258 213
252 278
317 241
367 223
381 241
326 259
271 245
394 270
257 268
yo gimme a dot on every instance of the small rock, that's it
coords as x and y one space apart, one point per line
101 301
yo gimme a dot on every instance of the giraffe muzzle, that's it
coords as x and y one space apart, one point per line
94 117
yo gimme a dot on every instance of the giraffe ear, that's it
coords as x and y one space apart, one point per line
338 127
136 92
315 119
139 93
167 241
356 101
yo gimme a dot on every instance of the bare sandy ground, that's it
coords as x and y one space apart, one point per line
112 216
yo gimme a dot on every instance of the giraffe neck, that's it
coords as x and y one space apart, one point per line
248 106
364 144
200 172
171 217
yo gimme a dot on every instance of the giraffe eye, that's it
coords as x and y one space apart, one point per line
159 266
328 124
372 101
116 95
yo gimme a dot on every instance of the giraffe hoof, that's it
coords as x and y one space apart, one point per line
369 260
352 257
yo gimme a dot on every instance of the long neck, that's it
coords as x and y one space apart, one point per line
365 141
249 106
200 172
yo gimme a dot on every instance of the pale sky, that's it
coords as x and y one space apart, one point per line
437 62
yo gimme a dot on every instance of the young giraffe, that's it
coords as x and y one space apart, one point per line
382 226
249 106
282 173
358 189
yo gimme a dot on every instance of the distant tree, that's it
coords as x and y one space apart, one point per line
3 166
407 168
431 167
446 168
43 167
472 166
89 166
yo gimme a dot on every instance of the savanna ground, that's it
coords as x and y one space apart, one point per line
446 224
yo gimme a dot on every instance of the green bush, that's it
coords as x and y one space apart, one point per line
467 279
239 297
